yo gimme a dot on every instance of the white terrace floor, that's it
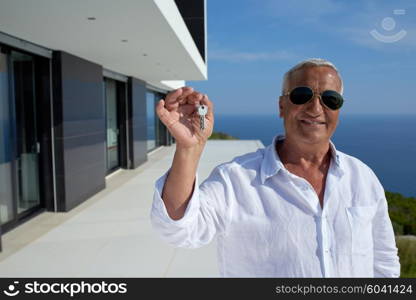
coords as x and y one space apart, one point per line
110 234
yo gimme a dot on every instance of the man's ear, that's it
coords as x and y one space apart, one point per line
281 105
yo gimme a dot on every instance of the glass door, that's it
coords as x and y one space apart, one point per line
113 156
27 143
6 145
151 120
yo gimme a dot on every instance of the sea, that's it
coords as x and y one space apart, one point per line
386 143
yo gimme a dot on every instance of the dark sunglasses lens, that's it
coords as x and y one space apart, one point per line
332 99
301 95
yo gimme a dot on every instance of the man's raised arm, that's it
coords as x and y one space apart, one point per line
179 114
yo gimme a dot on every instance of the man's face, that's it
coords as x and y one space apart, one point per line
297 118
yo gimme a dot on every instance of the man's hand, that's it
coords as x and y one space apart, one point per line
179 114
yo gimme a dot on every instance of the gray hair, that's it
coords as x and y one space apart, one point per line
311 62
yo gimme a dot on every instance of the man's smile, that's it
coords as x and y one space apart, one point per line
312 122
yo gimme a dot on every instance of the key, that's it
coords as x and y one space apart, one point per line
202 111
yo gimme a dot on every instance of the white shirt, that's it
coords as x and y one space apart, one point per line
269 223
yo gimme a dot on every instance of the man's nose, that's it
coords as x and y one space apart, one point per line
314 106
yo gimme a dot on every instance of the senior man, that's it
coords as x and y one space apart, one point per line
297 208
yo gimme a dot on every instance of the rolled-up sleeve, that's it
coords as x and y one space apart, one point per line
386 260
207 213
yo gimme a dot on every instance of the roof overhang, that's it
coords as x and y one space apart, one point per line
147 39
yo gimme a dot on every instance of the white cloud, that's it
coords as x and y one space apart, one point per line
350 21
302 11
243 56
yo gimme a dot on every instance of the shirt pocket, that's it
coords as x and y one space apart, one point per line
360 221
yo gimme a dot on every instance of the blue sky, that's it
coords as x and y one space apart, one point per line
251 44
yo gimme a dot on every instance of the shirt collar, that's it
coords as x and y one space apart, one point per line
272 164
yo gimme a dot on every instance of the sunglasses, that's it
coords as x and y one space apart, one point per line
302 94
